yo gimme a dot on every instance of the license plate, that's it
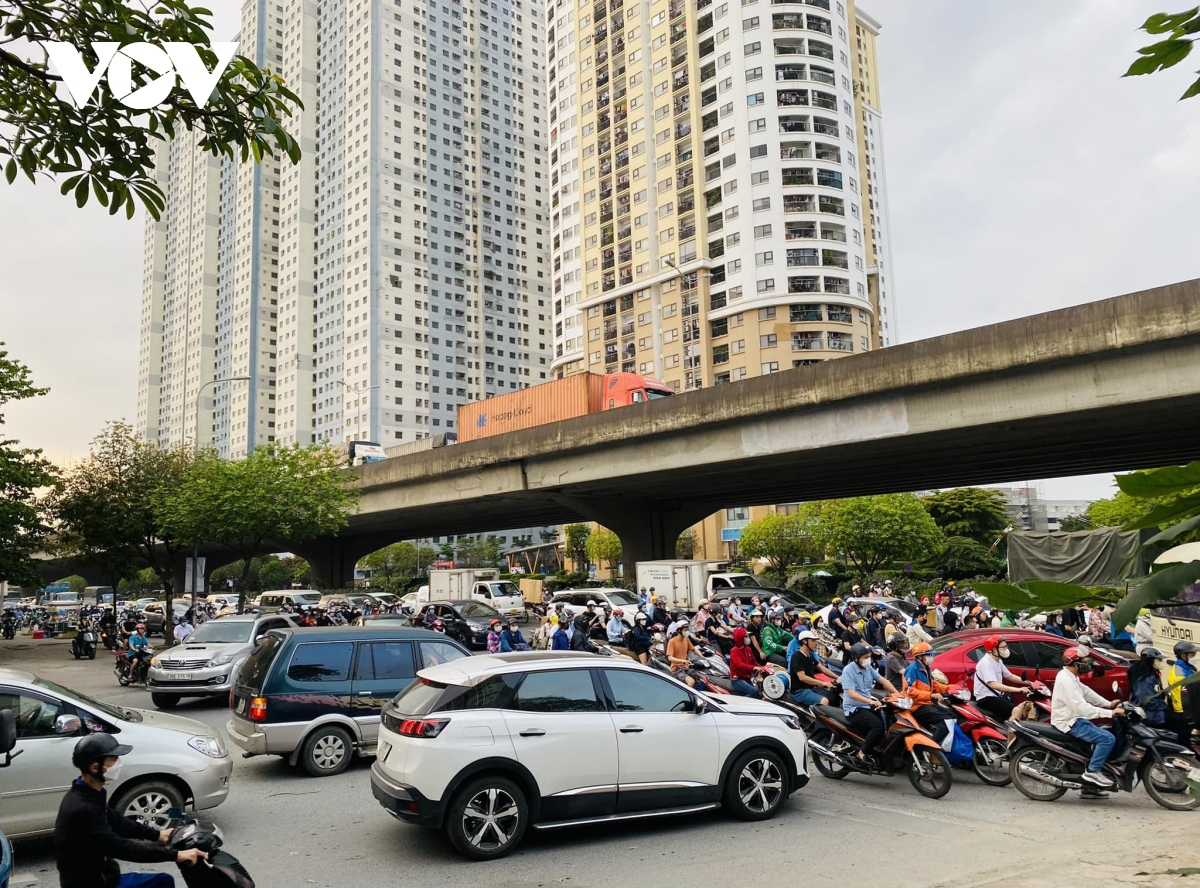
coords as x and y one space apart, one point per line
182 676
241 706
384 749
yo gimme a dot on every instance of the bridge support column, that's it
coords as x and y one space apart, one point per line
333 560
648 529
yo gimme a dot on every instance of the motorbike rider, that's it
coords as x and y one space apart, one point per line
743 665
678 649
511 639
993 682
1072 707
559 641
8 621
754 632
89 836
1180 718
775 639
139 649
837 624
873 632
896 661
1145 685
927 693
658 613
493 636
584 621
858 680
642 640
616 628
803 669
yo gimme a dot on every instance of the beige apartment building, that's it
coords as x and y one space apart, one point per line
718 194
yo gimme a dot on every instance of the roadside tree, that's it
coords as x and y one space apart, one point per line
970 512
604 548
874 530
781 539
577 539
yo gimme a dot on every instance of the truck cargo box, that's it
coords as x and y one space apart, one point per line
565 398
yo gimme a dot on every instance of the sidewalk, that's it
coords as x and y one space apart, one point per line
1148 869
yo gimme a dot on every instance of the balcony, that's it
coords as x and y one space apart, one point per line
787 21
798 176
829 179
839 314
708 72
626 276
825 152
820 75
794 125
684 128
820 50
834 259
818 24
824 100
834 205
687 229
707 122
716 249
683 104
801 258
684 178
791 97
608 282
833 234
807 342
712 198
805 314
799 231
687 201
678 32
683 153
842 342
804 285
799 203
676 9
707 46
826 128
837 285
627 328
790 72
795 151
610 331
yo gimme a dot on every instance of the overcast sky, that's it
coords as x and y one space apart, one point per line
1024 175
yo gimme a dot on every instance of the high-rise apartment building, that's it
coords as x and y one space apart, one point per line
398 270
719 199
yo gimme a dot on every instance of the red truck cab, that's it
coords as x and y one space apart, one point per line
623 389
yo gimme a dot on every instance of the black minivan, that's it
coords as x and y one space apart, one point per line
314 695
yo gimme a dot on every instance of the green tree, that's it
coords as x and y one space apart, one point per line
1073 523
23 530
548 535
277 495
970 512
781 539
963 558
274 574
301 570
685 546
75 583
1180 29
390 563
446 551
604 548
577 541
104 147
874 530
140 584
106 506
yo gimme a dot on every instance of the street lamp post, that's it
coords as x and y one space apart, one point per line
196 543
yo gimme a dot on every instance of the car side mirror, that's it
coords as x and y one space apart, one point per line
8 736
699 707
66 725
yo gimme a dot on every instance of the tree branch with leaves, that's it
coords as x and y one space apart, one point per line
1180 30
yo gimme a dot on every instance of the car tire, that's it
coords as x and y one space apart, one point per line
164 701
149 802
756 786
327 751
487 818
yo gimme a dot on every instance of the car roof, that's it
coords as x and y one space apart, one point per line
472 670
240 618
350 633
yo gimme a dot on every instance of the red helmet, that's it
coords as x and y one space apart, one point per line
1073 656
617 612
140 626
992 642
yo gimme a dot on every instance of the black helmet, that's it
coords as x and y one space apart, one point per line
1185 647
859 650
96 748
1152 653
897 642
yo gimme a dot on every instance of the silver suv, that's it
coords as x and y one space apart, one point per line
204 665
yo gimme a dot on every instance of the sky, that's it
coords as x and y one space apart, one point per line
1024 175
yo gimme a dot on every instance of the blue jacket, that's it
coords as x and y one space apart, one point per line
559 641
1142 693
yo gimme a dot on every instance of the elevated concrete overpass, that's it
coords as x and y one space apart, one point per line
1110 385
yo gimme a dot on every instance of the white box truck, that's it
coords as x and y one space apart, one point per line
688 584
478 584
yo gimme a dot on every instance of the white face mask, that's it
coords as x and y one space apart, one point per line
1159 665
864 662
1004 652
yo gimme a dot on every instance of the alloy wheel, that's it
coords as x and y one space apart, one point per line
760 785
151 808
490 819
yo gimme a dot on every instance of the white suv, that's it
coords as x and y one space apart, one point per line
486 747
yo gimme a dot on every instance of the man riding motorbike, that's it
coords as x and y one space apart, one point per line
8 623
803 669
927 693
678 649
775 639
743 665
584 621
1072 707
858 680
139 649
993 682
616 628
1179 719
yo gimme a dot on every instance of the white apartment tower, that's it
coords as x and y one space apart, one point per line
399 270
719 205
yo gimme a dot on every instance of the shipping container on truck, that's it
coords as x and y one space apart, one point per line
565 398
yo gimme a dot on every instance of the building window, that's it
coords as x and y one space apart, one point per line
766 314
760 178
768 340
758 151
766 285
764 258
762 230
762 203
769 367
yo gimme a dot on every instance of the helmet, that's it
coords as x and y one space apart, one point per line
756 613
921 648
837 601
739 634
140 626
857 588
1075 656
618 612
774 598
641 618
1185 647
494 623
96 748
806 635
877 652
859 650
1152 653
897 642
991 643
553 619
591 603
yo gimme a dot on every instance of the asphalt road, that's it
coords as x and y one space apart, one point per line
292 830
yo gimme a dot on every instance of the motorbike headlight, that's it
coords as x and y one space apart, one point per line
213 747
220 659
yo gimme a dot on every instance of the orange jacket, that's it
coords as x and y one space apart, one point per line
921 685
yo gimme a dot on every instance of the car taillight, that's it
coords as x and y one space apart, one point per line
422 727
258 709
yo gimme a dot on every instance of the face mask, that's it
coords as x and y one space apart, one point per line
1085 668
1159 665
864 662
1004 652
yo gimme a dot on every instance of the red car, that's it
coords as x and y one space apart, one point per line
1036 656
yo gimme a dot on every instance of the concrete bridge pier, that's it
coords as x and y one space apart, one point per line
648 529
332 560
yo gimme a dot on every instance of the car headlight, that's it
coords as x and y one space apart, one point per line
213 747
220 659
791 721
154 661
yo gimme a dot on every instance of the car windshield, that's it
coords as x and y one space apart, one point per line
307 597
620 598
107 708
742 581
478 610
655 394
222 632
504 590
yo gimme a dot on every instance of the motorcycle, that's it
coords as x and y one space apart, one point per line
1044 762
220 870
906 747
108 637
990 757
122 668
10 629
84 642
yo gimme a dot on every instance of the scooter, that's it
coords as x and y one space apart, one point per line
1044 762
220 870
906 747
990 757
84 642
122 672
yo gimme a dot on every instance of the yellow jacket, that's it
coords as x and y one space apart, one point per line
1175 674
